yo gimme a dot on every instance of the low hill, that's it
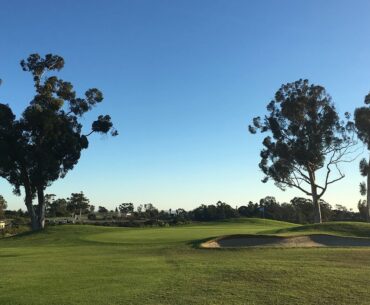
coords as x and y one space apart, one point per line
354 229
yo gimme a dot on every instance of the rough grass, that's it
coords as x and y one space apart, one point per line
98 265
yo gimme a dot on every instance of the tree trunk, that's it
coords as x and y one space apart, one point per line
29 204
315 199
41 208
368 193
35 225
316 209
31 211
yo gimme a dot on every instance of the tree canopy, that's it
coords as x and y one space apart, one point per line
362 123
307 135
126 208
78 202
46 141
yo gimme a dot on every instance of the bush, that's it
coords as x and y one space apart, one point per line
91 216
13 230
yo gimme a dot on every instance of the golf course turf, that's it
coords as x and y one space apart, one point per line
75 264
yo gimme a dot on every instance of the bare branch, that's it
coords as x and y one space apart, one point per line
300 188
90 133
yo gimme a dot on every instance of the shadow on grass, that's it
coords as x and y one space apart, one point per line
9 255
29 233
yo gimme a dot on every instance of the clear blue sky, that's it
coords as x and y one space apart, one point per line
182 80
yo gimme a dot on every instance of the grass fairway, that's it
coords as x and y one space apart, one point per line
99 265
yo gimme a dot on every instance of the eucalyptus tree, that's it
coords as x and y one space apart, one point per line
362 123
46 141
307 140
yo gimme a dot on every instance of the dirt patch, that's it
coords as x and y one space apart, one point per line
314 240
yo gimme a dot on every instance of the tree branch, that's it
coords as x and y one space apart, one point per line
91 132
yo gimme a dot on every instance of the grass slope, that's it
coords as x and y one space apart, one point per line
96 265
354 229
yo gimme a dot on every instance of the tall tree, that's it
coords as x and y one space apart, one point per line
362 123
307 137
45 143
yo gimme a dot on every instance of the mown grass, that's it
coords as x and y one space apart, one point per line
340 228
99 265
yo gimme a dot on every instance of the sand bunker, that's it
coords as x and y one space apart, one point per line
314 240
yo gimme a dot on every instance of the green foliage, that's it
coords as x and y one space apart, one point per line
362 208
45 143
299 210
126 208
78 202
3 206
305 128
306 135
12 230
214 212
57 208
102 210
147 210
363 189
362 122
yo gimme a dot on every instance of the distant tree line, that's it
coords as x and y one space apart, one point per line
299 210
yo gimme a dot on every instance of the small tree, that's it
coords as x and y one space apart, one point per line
102 210
362 209
45 143
306 136
126 208
49 199
3 206
57 208
150 210
78 202
362 122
